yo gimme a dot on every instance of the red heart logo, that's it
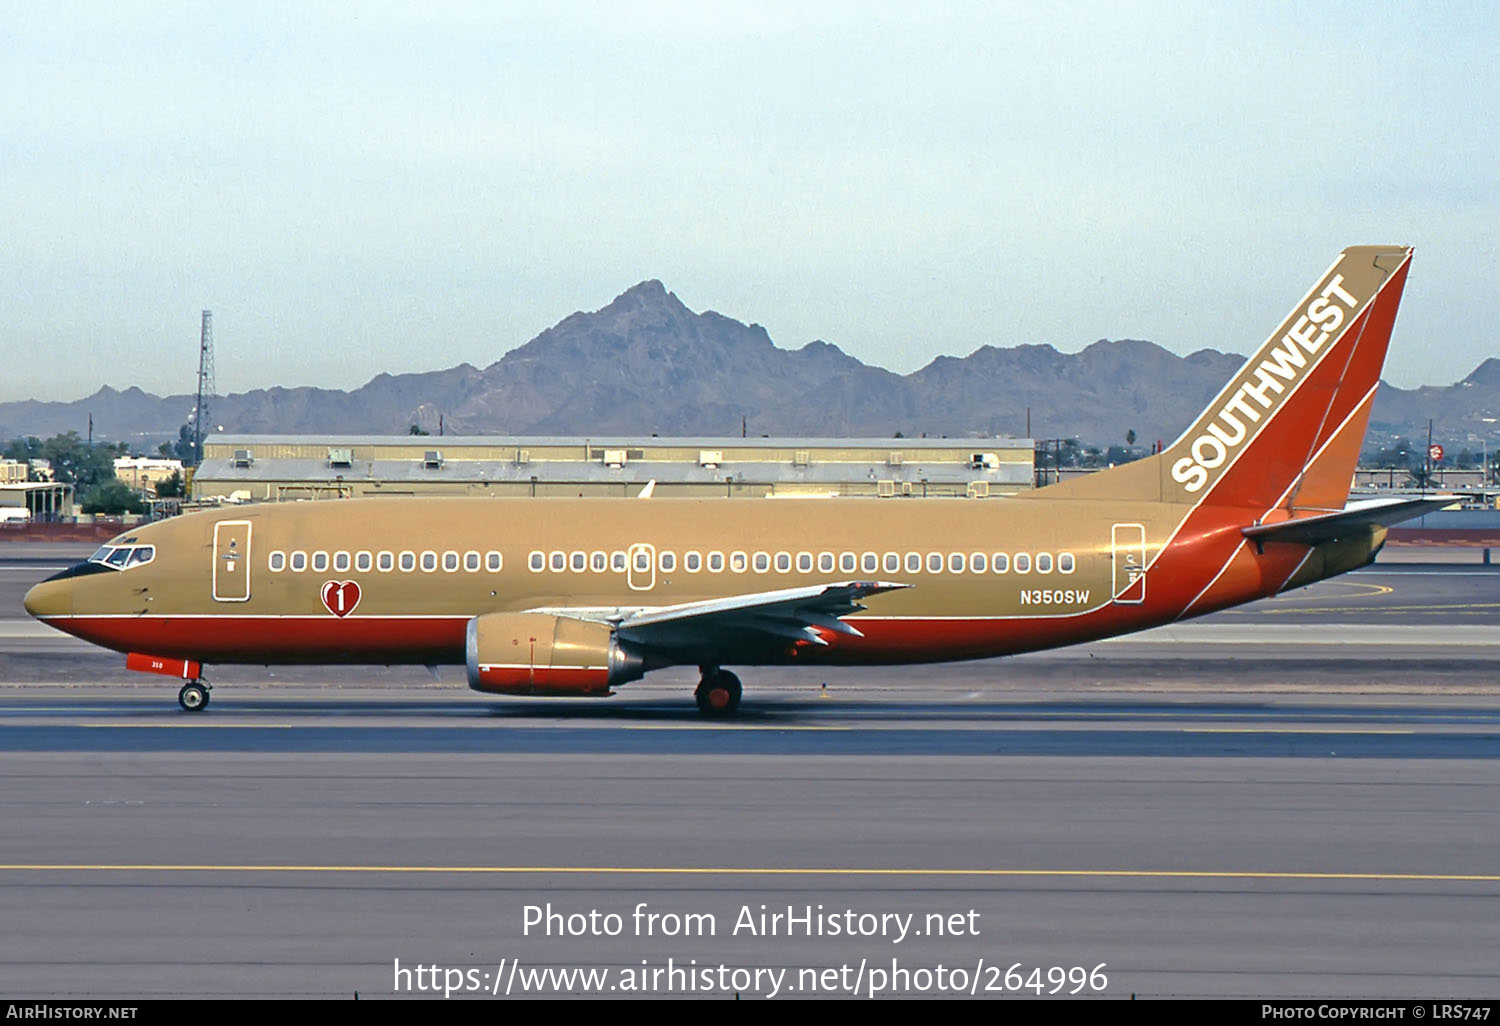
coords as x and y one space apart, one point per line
340 596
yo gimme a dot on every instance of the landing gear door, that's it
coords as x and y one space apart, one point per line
232 561
1128 559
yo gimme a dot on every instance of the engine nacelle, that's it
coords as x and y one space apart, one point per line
541 654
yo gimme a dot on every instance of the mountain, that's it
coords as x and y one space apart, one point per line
647 364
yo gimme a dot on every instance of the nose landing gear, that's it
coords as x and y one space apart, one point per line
193 696
718 692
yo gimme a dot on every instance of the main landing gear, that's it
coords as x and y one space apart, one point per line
193 696
718 692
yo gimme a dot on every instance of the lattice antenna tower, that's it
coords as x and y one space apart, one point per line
205 383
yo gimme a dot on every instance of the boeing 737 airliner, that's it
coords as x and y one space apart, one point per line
576 596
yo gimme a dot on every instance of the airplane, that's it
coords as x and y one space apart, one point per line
573 597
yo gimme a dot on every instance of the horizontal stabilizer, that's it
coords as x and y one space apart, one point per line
1326 527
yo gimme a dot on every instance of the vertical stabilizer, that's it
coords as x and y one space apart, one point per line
1287 429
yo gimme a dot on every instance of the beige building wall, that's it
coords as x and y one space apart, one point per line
144 473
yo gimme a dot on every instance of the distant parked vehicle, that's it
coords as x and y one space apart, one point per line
14 515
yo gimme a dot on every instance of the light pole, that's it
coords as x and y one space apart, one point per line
1484 441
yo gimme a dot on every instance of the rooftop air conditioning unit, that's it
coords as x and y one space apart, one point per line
895 459
614 458
523 456
710 457
243 457
432 459
340 457
983 461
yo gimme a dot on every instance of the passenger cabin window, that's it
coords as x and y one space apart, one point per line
979 562
341 561
1044 562
716 561
1000 563
692 562
429 561
825 562
761 562
847 563
893 562
493 561
320 561
871 563
737 562
783 562
956 562
385 562
617 562
450 561
299 562
934 562
1023 563
642 560
580 562
668 562
472 562
1065 562
537 561
559 562
362 562
804 562
408 561
913 562
599 562
277 562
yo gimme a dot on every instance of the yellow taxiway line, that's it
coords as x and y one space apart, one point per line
1289 730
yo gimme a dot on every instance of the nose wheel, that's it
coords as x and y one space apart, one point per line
718 693
193 696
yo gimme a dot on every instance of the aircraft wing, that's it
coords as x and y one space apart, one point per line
1326 527
794 613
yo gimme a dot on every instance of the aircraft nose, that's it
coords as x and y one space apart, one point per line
50 598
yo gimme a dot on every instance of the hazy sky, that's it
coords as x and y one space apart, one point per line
362 187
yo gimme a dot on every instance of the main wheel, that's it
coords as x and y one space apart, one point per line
718 694
193 696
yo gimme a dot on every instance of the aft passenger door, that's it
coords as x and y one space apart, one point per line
231 575
1128 563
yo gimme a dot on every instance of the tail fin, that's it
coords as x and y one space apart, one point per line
1287 429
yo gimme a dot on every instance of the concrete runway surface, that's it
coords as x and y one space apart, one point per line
1296 799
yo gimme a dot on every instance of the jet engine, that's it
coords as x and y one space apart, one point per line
542 654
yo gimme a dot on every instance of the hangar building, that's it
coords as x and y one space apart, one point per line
259 468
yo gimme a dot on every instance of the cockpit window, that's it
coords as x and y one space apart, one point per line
123 557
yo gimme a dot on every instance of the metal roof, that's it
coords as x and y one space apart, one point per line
616 441
633 472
